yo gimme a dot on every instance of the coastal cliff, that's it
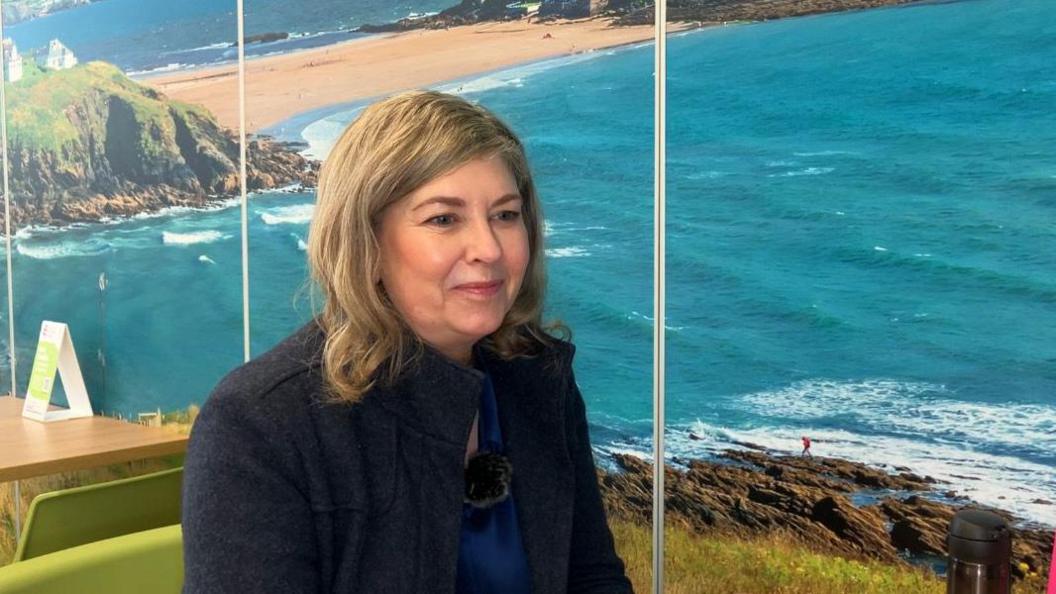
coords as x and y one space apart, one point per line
826 504
88 143
16 11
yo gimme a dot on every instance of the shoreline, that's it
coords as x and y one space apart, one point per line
815 502
283 86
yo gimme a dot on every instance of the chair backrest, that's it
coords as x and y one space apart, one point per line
72 517
148 561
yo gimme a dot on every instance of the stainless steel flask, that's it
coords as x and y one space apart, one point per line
980 554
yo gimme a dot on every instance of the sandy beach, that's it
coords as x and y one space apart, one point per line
278 87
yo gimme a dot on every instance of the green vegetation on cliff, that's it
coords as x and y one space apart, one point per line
39 107
768 564
89 143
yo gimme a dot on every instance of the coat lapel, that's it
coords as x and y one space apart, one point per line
440 398
532 418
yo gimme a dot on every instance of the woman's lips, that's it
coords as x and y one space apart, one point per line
480 289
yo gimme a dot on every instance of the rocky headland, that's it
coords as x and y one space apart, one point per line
89 144
630 12
827 504
16 11
717 12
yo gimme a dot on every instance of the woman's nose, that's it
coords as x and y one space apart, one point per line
482 243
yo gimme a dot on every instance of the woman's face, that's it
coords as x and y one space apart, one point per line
454 253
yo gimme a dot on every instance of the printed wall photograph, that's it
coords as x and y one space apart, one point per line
860 243
860 282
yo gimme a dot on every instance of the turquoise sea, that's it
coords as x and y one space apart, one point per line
861 240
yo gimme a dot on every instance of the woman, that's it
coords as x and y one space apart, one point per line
424 433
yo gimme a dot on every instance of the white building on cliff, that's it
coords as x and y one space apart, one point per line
12 61
59 56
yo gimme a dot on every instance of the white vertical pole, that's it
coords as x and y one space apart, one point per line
10 285
242 176
659 295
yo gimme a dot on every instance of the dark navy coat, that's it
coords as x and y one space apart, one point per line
286 494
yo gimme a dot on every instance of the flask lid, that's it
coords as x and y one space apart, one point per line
978 536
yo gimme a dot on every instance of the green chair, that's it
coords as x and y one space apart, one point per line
148 561
72 517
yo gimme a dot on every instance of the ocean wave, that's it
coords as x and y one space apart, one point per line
711 174
921 409
807 171
567 252
62 249
321 134
301 245
171 67
206 259
634 315
823 153
939 270
173 238
296 214
555 228
1005 482
203 48
179 210
421 15
515 76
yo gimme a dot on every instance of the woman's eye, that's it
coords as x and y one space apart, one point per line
510 215
443 220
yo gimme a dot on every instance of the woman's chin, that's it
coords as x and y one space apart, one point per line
479 328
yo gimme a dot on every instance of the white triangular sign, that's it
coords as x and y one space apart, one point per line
55 353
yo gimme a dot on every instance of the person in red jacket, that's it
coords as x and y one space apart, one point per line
806 447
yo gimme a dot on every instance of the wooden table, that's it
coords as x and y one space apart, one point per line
30 448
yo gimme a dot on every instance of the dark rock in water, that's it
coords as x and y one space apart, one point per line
916 478
918 524
263 38
749 445
863 529
750 493
1041 502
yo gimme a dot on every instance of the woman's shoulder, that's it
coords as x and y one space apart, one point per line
283 378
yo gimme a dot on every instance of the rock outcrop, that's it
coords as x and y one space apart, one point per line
810 500
712 12
466 12
88 143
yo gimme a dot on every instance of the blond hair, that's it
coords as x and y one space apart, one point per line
391 149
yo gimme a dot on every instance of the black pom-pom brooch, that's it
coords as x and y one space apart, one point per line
487 479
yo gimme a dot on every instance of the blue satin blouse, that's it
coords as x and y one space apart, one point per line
491 557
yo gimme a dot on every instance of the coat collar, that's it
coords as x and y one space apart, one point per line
439 398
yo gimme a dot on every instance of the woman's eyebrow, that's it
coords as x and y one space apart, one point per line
457 202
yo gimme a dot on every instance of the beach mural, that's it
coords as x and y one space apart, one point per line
120 203
861 218
860 234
